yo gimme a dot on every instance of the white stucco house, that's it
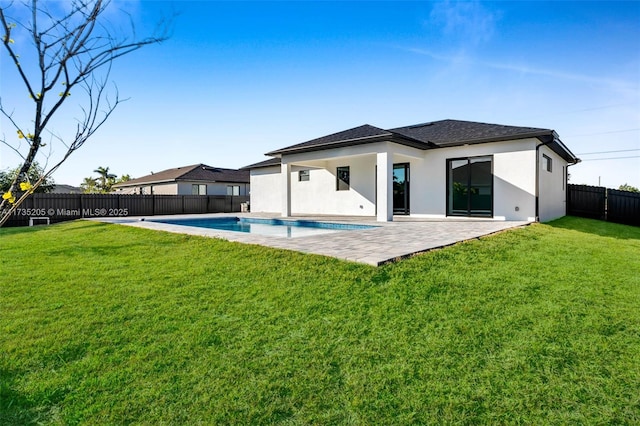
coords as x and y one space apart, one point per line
439 169
196 179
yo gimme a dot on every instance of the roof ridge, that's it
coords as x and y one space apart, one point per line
453 120
331 138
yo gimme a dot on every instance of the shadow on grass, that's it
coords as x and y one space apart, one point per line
15 407
597 227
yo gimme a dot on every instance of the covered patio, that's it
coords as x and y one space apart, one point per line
369 179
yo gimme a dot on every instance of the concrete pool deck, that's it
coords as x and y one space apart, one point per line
388 242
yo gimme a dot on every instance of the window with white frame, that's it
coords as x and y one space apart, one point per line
198 189
303 175
233 189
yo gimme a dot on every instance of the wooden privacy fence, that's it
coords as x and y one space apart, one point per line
62 207
596 202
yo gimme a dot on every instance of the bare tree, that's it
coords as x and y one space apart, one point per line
67 49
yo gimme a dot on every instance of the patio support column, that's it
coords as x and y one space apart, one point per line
384 196
286 189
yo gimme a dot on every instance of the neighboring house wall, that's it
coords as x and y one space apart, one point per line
162 189
158 189
212 188
126 190
514 180
553 185
184 188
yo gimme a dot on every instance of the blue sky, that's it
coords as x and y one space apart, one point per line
239 79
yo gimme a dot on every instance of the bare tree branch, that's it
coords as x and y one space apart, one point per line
69 49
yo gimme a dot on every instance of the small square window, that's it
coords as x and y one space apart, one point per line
547 162
233 189
342 178
303 175
198 189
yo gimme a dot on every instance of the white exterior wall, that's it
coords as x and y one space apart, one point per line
514 185
319 195
553 186
265 190
514 181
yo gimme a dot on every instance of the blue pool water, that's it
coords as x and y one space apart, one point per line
273 227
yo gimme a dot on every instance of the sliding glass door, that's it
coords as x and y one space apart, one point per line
470 187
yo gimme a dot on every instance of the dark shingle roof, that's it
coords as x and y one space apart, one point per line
66 189
358 135
216 174
437 134
456 132
265 163
196 172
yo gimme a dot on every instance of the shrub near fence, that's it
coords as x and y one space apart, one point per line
596 202
63 207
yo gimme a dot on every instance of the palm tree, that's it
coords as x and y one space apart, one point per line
106 179
89 185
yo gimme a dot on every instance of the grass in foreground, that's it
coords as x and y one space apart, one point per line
107 324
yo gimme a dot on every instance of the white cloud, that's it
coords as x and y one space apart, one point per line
625 87
469 20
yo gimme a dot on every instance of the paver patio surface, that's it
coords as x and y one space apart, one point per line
387 242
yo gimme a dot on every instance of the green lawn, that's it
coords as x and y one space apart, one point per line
107 324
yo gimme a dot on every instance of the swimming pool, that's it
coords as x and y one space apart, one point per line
271 227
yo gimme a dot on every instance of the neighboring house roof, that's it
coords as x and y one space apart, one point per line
437 134
66 189
196 172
